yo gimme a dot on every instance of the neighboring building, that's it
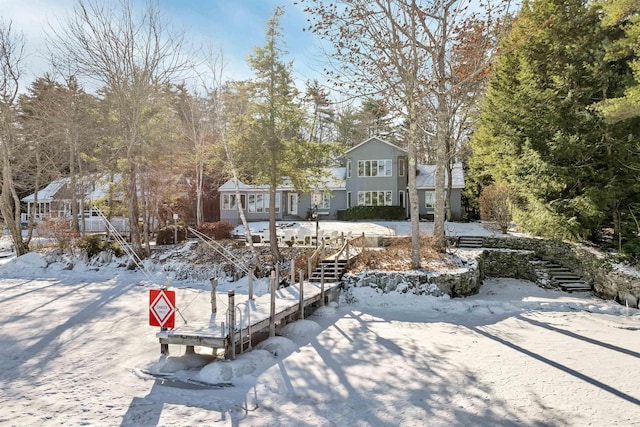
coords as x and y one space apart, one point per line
54 201
374 173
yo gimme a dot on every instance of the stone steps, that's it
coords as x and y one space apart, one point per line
560 277
470 242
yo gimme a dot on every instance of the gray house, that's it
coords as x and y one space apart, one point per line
374 173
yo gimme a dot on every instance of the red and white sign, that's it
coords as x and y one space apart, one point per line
162 308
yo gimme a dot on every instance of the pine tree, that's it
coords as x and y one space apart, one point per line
273 148
538 129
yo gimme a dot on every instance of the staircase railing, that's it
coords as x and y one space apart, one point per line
122 242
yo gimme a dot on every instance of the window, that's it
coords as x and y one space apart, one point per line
348 168
374 168
229 201
259 202
348 199
401 199
429 200
374 198
401 167
325 202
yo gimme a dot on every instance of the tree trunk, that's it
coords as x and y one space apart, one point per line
134 209
441 161
449 187
199 187
10 208
414 201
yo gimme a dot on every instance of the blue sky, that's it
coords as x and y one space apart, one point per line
234 26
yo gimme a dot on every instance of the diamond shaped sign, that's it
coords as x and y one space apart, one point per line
162 309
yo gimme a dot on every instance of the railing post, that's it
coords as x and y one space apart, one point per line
301 292
292 273
214 297
272 308
309 266
322 284
232 324
251 284
347 251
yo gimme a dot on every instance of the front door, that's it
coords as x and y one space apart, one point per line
293 204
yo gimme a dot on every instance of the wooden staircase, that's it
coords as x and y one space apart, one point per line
331 273
470 242
560 277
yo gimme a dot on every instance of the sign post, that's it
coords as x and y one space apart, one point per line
162 311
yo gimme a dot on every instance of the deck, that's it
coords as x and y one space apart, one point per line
251 317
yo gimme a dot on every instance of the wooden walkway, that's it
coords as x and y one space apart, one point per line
251 317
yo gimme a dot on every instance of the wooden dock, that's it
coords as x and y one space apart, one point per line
250 317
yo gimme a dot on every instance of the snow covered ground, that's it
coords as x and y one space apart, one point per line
76 345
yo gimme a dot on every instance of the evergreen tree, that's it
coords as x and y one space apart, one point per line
273 148
538 129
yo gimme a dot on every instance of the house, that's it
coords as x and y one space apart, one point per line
54 201
374 173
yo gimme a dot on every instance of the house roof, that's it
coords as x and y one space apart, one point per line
425 180
375 138
426 177
96 190
47 194
229 185
334 181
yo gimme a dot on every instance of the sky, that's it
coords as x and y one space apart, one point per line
77 349
233 27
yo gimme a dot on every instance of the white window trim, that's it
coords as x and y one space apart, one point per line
385 164
362 198
262 206
229 201
325 202
293 203
431 198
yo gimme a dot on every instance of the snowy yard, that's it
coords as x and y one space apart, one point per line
76 343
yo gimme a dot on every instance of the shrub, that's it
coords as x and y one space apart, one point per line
166 235
93 244
375 212
216 230
496 204
59 230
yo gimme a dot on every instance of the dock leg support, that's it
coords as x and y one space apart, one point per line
190 350
164 348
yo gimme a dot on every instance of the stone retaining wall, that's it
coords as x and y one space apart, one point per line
459 283
510 257
607 282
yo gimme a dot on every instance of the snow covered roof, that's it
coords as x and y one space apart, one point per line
97 188
48 193
334 181
230 185
426 177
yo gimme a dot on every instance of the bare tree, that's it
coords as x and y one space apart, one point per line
398 49
131 54
198 130
11 63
